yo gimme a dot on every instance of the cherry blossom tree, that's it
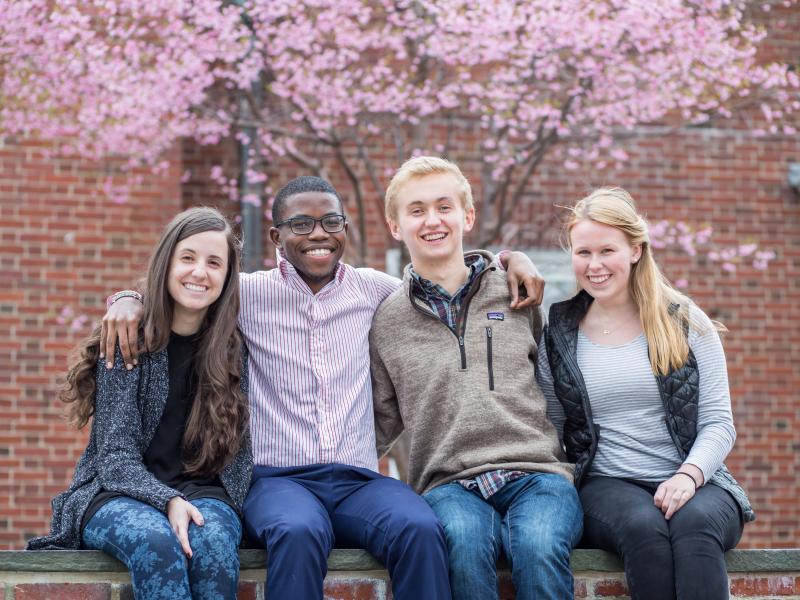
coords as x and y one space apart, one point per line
329 84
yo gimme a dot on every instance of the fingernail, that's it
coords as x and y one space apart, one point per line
109 364
136 361
102 355
129 366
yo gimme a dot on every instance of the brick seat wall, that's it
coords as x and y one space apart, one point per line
355 575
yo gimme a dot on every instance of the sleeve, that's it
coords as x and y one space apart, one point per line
382 283
118 433
555 412
388 420
715 431
498 259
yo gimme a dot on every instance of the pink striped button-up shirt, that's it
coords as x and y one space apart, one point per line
310 390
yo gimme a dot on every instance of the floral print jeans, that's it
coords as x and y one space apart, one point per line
140 536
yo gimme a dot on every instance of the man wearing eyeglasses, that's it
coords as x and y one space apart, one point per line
316 481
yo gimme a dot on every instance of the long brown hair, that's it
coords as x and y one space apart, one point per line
663 310
218 420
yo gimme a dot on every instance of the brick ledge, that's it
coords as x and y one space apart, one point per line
738 561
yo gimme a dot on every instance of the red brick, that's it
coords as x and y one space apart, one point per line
349 589
62 591
248 590
610 587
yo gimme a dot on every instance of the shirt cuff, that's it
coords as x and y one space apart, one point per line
500 256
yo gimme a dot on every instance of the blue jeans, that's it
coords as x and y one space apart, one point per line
681 558
140 536
535 520
300 513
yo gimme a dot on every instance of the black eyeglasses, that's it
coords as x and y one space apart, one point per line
305 225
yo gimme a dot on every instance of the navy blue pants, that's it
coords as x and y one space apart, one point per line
140 536
300 513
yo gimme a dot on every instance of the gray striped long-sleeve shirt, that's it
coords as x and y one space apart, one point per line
626 406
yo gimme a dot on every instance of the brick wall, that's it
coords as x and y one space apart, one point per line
63 246
373 585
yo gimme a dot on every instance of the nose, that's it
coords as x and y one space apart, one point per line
594 262
431 217
318 233
200 269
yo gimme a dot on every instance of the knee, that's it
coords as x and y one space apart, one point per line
693 522
215 540
161 543
542 545
298 531
421 527
641 525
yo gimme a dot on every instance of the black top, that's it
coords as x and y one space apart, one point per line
163 456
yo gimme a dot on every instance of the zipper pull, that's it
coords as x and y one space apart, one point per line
489 332
461 341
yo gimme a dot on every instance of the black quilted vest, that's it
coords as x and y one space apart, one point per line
679 389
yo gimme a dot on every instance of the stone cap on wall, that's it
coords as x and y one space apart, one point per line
738 561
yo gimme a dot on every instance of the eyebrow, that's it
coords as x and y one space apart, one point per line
193 251
439 199
330 214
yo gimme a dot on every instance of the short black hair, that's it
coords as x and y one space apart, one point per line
300 185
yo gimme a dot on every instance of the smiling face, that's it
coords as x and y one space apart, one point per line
316 255
602 258
430 218
197 272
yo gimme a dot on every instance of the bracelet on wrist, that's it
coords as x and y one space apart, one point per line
124 294
690 476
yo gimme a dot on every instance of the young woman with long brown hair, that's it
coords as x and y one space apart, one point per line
639 372
168 463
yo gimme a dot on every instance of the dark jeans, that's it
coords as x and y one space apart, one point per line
300 513
681 558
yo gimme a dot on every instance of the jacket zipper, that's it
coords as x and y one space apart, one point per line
461 321
489 357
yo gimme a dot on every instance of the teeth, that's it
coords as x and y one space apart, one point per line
598 278
318 252
434 236
195 288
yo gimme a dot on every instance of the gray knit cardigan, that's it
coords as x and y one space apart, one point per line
128 409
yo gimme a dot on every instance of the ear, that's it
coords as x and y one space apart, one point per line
275 237
394 229
469 219
637 253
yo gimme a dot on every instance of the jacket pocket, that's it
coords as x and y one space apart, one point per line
489 357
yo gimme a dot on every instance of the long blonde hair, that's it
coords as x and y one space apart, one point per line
663 310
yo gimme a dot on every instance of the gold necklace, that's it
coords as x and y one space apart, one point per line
607 328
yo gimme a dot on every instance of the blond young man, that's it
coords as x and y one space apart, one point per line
455 368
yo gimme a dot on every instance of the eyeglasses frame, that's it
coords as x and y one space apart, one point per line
290 223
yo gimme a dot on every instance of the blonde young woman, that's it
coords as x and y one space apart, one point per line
637 375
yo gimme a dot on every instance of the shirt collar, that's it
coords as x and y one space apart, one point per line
476 264
290 275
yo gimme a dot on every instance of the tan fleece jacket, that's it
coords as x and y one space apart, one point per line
470 402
